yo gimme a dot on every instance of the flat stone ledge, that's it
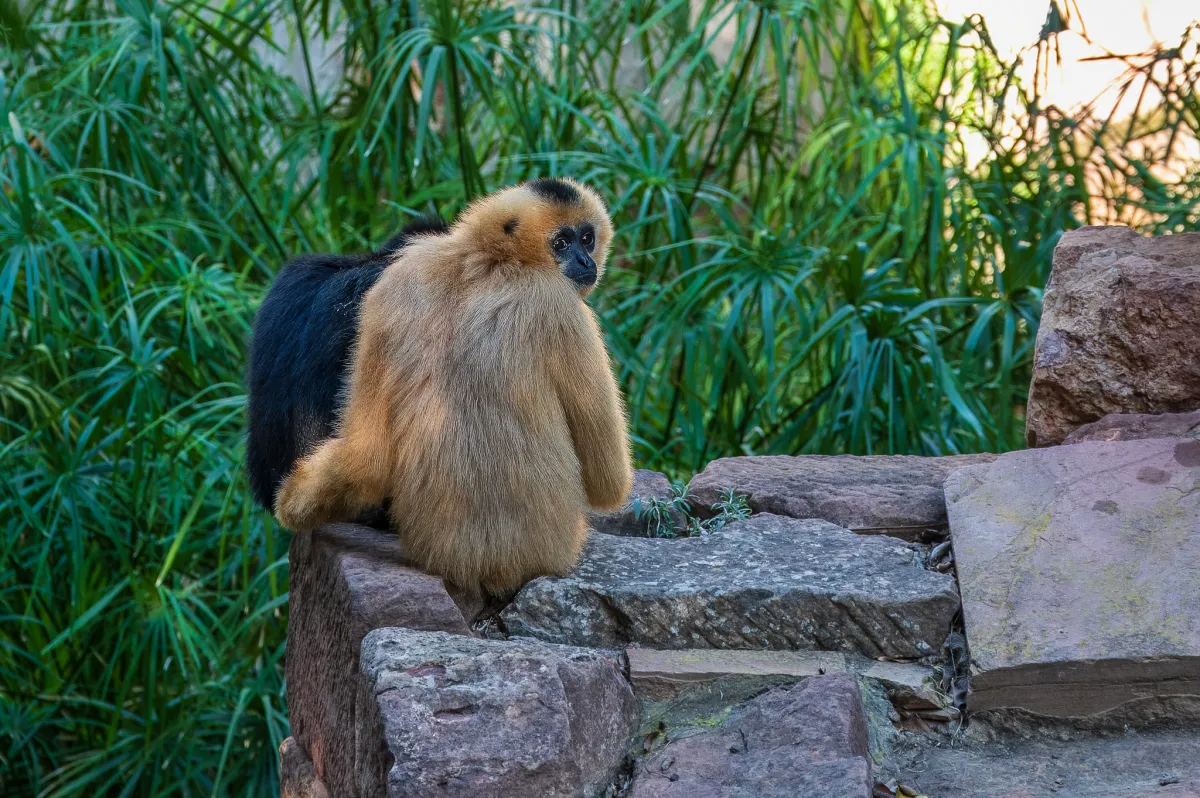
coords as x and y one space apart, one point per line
347 580
657 675
1138 426
897 495
1077 566
445 715
768 582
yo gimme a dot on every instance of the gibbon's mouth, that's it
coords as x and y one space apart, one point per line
581 270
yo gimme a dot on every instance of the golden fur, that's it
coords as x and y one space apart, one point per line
481 401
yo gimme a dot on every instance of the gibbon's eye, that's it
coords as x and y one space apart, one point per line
589 240
560 243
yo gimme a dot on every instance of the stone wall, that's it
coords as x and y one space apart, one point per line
976 626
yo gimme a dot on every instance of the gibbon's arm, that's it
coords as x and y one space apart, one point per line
350 472
595 414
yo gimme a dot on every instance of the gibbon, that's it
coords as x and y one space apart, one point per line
481 401
300 358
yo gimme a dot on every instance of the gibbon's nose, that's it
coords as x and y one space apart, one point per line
581 269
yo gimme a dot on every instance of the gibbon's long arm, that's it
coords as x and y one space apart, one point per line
595 416
352 471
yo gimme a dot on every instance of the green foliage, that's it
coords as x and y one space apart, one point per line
664 517
833 241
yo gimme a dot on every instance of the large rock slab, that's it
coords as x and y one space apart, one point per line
898 495
768 582
810 740
1138 426
1077 566
647 486
444 715
1118 331
346 581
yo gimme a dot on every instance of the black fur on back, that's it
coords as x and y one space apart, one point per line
300 351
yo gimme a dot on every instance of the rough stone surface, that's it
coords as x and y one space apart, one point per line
1077 566
297 777
445 715
1118 331
898 495
345 581
810 740
657 674
1131 765
1138 426
768 582
646 485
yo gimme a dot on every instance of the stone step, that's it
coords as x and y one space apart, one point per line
445 715
810 740
1138 426
897 495
1077 566
1162 765
768 582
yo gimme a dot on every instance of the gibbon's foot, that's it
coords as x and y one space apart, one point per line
300 505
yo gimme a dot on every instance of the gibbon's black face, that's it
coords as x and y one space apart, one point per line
573 247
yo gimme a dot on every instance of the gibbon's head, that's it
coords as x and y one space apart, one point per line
551 223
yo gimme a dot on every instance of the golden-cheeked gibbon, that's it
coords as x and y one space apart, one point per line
478 404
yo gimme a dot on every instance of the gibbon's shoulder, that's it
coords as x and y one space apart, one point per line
422 225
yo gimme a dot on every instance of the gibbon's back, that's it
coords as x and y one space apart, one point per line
300 355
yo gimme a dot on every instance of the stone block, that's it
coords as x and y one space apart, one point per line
768 582
1118 332
897 495
1079 578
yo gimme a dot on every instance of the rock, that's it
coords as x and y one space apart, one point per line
445 715
1077 566
810 740
297 777
346 581
647 485
1130 765
1138 426
897 495
658 675
1118 331
768 582
910 687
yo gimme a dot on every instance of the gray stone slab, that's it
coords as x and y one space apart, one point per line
1130 765
899 495
768 582
445 715
1077 566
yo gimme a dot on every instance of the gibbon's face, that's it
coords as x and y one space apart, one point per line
551 223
